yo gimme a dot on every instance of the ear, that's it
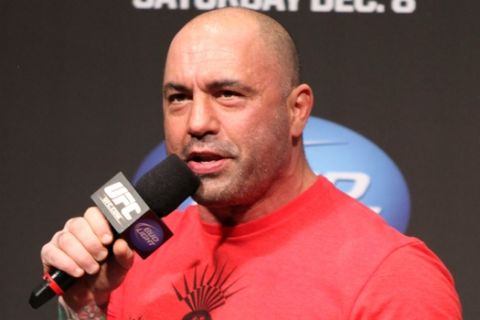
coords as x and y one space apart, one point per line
300 104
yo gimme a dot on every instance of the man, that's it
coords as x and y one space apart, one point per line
269 239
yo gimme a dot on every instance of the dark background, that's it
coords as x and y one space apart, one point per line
80 99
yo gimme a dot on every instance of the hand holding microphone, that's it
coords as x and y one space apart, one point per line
80 248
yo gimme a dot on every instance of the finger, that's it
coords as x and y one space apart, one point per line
73 248
99 225
123 254
54 257
83 232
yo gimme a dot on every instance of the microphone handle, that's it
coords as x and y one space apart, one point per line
55 283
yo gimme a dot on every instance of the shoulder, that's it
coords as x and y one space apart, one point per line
409 283
395 276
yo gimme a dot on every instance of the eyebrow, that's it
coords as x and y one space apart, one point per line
174 86
215 85
220 84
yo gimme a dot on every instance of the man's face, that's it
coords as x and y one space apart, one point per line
225 113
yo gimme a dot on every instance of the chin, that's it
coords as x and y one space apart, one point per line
216 195
212 199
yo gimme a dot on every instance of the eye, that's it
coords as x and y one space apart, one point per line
227 94
177 97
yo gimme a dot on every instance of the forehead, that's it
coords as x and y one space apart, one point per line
215 50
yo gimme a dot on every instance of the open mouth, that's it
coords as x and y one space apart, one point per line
206 162
204 157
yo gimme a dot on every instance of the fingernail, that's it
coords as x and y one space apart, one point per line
93 269
102 255
107 238
78 272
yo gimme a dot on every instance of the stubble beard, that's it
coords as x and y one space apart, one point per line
249 177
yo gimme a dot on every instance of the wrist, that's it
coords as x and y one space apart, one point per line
89 309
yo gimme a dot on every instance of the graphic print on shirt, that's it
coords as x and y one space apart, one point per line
206 292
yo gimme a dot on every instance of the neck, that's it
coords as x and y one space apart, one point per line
284 189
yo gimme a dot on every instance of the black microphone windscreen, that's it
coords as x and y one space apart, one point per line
167 185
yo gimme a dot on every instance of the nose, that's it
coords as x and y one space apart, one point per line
203 119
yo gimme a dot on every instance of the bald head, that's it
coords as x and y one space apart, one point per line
260 28
233 109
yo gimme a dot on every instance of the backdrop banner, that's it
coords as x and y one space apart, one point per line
396 117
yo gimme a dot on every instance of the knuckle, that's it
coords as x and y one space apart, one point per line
64 239
47 255
45 251
76 224
68 223
55 237
91 212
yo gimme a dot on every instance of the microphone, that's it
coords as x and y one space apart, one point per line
133 213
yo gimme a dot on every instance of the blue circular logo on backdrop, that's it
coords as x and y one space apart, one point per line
353 163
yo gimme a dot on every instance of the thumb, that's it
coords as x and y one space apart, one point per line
123 254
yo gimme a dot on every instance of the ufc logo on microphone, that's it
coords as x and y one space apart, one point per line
119 195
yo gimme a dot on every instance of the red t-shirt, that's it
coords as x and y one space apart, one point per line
321 256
